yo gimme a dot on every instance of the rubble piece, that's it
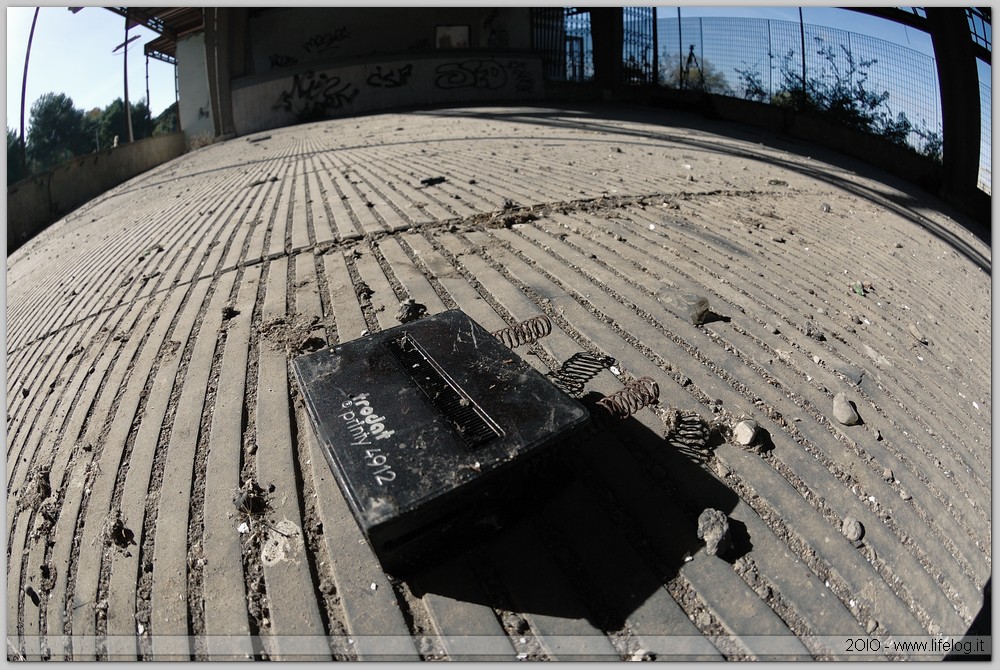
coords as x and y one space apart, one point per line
410 310
713 528
689 306
811 330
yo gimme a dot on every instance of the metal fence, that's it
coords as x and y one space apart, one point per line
638 44
762 59
863 81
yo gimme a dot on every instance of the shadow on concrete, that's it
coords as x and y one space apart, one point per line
624 524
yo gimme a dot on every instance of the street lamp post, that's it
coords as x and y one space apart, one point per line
128 109
24 88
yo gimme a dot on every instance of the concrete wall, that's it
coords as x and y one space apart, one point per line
320 37
36 202
195 109
437 77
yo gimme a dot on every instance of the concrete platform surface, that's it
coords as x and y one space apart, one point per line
149 342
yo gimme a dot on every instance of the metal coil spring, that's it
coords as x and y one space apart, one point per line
636 395
526 332
687 428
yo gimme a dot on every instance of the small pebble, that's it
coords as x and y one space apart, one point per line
872 625
825 208
852 529
904 495
721 469
843 411
812 331
887 475
745 432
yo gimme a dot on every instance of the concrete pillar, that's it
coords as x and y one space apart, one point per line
959 81
606 29
217 42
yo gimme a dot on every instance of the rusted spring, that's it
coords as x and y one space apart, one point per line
526 332
633 397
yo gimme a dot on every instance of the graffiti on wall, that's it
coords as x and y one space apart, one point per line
314 96
487 74
390 78
495 37
279 60
523 81
326 41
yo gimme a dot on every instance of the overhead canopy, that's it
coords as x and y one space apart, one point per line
172 23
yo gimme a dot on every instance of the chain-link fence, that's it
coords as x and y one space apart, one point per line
861 81
864 81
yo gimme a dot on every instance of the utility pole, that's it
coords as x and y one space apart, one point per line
24 88
124 47
128 109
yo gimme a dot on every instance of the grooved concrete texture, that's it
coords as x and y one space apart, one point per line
150 334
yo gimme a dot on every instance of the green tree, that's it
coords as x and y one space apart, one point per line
113 122
15 171
92 127
707 78
167 121
841 92
55 133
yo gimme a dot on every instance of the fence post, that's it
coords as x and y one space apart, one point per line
959 84
656 47
802 35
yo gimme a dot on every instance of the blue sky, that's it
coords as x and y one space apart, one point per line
72 54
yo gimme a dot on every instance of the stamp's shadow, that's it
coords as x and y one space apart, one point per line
620 525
